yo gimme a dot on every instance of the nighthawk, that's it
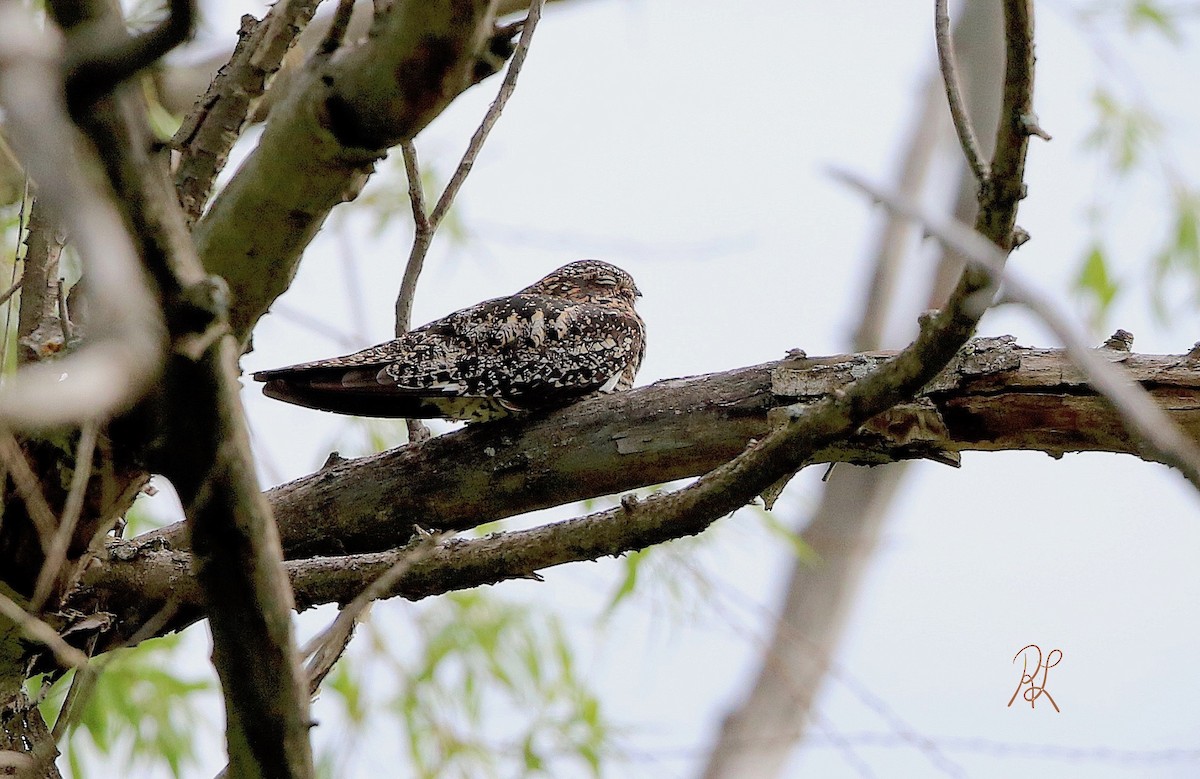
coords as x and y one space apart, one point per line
573 333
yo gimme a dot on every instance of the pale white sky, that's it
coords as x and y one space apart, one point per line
687 142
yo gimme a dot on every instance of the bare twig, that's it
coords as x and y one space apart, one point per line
427 225
78 692
958 109
57 555
14 281
416 192
1161 437
335 641
123 354
420 549
423 229
326 647
8 293
493 113
422 238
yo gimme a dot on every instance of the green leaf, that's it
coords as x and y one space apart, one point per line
343 683
631 565
533 761
1122 131
1095 284
140 708
1179 259
801 550
493 691
1145 13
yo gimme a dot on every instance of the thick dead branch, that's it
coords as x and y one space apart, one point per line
1003 397
681 428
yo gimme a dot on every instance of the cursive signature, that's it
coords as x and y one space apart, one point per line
1033 686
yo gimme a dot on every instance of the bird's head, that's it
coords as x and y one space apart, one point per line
588 281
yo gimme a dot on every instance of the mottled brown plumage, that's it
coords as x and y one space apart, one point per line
571 334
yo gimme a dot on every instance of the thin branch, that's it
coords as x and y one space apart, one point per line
493 114
958 109
416 192
79 691
57 554
426 224
423 230
420 549
326 647
8 293
335 641
14 282
422 238
1162 439
64 319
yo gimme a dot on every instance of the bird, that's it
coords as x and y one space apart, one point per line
572 334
